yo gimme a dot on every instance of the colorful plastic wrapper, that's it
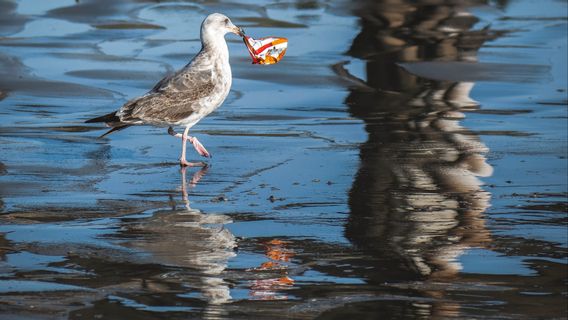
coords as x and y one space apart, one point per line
267 50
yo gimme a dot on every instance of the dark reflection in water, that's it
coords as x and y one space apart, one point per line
416 201
2 172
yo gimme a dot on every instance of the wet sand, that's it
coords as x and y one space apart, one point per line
404 160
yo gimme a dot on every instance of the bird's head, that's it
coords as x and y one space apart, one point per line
219 24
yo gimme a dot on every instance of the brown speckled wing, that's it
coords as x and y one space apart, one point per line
174 98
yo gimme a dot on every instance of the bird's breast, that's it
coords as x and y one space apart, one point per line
224 77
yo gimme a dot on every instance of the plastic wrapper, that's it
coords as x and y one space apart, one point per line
267 50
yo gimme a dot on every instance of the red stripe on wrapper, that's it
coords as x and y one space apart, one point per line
269 50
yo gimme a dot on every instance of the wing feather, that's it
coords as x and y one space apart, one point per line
174 98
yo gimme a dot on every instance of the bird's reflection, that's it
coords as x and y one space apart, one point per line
416 202
188 238
192 183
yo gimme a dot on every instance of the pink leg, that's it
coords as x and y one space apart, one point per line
182 161
199 147
196 144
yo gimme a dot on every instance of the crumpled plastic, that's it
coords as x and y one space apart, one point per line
267 50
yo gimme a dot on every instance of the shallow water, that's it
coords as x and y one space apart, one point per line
404 160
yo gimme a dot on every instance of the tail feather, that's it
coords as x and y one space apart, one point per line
111 120
113 129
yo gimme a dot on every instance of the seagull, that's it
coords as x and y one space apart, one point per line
188 95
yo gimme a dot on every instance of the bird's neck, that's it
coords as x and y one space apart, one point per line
215 42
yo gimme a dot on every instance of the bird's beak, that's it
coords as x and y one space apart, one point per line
238 31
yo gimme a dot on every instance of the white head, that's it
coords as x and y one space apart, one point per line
214 28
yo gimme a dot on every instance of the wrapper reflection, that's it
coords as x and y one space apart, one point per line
276 271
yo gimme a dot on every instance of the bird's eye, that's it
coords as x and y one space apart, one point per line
226 21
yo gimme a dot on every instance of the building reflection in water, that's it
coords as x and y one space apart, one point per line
416 202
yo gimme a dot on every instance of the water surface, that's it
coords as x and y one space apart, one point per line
404 160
